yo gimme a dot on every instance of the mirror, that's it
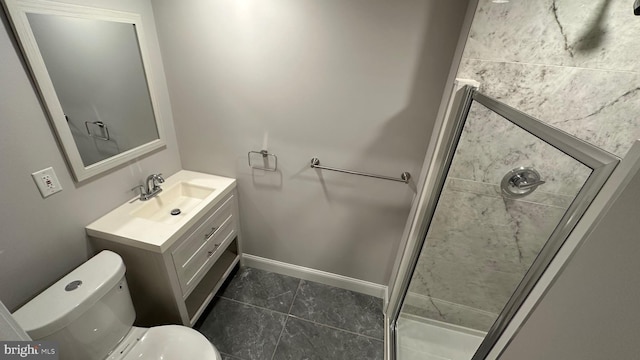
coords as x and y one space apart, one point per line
91 68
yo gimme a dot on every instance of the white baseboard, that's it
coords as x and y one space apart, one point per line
323 277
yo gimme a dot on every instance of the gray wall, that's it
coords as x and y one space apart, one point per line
569 63
43 239
355 83
591 311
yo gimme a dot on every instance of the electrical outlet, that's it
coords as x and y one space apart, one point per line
47 182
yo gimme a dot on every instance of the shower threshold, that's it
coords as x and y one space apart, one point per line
426 339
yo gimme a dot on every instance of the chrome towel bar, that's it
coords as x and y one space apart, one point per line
404 177
265 156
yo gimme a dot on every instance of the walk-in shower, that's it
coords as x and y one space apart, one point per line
506 191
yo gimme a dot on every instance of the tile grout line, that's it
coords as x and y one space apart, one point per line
295 295
288 314
252 305
230 356
335 328
513 62
325 325
286 319
275 349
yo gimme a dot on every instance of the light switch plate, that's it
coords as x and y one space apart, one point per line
47 182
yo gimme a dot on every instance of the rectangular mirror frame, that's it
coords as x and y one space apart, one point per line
17 11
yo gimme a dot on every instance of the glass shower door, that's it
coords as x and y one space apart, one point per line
511 190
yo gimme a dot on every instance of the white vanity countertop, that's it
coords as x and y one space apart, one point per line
122 226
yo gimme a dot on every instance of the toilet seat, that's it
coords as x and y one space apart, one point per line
170 342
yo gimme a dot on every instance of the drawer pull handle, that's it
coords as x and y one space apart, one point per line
215 247
208 235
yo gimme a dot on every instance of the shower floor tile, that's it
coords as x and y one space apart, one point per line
262 315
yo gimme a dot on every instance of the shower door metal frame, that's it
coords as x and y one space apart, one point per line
601 163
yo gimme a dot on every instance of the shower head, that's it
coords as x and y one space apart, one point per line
636 7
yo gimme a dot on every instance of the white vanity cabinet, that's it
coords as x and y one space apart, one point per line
172 280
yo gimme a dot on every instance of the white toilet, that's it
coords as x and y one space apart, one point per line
90 315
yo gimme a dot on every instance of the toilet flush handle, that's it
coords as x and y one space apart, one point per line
73 285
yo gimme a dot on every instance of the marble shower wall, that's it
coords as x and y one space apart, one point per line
570 63
480 244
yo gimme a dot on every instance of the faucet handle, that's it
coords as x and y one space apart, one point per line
140 187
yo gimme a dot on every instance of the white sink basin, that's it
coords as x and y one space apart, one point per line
149 224
182 196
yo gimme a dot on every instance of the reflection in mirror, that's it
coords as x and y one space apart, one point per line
97 73
92 70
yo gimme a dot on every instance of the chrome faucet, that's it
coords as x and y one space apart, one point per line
151 187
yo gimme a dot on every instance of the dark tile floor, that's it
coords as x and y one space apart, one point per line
261 315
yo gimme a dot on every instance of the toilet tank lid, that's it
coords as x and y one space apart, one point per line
56 307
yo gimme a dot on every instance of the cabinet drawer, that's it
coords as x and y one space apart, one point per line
186 252
191 274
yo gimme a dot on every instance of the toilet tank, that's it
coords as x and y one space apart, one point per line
87 312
